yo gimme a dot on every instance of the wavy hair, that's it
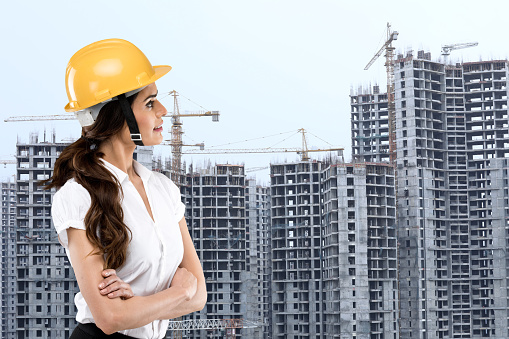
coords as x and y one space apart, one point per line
104 221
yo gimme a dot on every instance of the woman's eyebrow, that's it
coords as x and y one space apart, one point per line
151 96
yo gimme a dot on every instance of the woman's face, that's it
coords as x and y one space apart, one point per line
149 114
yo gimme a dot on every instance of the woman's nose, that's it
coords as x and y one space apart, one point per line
162 110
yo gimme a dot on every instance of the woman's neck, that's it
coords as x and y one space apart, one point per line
119 154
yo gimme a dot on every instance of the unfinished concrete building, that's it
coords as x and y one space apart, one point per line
333 250
8 236
370 126
45 282
297 298
452 132
215 199
259 251
452 138
359 251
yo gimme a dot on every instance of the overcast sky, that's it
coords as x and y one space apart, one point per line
269 67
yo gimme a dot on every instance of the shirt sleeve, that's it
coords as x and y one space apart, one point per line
70 206
175 197
180 208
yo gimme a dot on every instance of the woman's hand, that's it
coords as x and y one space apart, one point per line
114 287
186 280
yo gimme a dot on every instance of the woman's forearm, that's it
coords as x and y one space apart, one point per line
168 304
195 304
139 311
191 262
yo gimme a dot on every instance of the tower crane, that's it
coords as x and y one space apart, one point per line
176 136
304 151
446 49
389 65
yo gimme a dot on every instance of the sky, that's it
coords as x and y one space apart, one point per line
270 67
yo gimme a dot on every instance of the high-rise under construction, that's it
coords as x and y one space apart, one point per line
334 272
231 246
8 258
452 138
45 282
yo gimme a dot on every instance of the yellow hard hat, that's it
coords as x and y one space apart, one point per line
106 69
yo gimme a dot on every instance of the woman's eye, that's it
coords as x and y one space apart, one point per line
150 104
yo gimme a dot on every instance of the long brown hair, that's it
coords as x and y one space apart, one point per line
104 221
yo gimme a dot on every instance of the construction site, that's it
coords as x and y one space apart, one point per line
409 239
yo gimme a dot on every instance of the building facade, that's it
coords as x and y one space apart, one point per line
334 250
297 297
370 126
45 282
359 250
217 201
452 137
8 236
258 223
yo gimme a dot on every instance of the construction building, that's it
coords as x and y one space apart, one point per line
370 126
333 250
8 236
259 251
216 200
45 282
452 135
359 251
297 297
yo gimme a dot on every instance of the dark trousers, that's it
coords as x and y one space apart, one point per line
91 331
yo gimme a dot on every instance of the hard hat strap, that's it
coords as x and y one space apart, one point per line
130 119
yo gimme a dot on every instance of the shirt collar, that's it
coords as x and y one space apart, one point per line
117 172
142 171
121 176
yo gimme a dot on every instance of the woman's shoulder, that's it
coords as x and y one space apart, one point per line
72 191
69 208
72 186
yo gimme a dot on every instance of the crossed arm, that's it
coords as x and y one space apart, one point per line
187 292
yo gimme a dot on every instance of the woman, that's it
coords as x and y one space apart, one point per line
122 225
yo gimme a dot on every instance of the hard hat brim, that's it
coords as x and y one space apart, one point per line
159 72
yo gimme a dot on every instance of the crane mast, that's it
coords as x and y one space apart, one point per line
391 108
176 141
176 137
305 151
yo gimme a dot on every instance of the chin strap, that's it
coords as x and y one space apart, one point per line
130 119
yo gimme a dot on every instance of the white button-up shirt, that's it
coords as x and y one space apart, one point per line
156 247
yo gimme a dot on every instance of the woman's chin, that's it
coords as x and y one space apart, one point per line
155 140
